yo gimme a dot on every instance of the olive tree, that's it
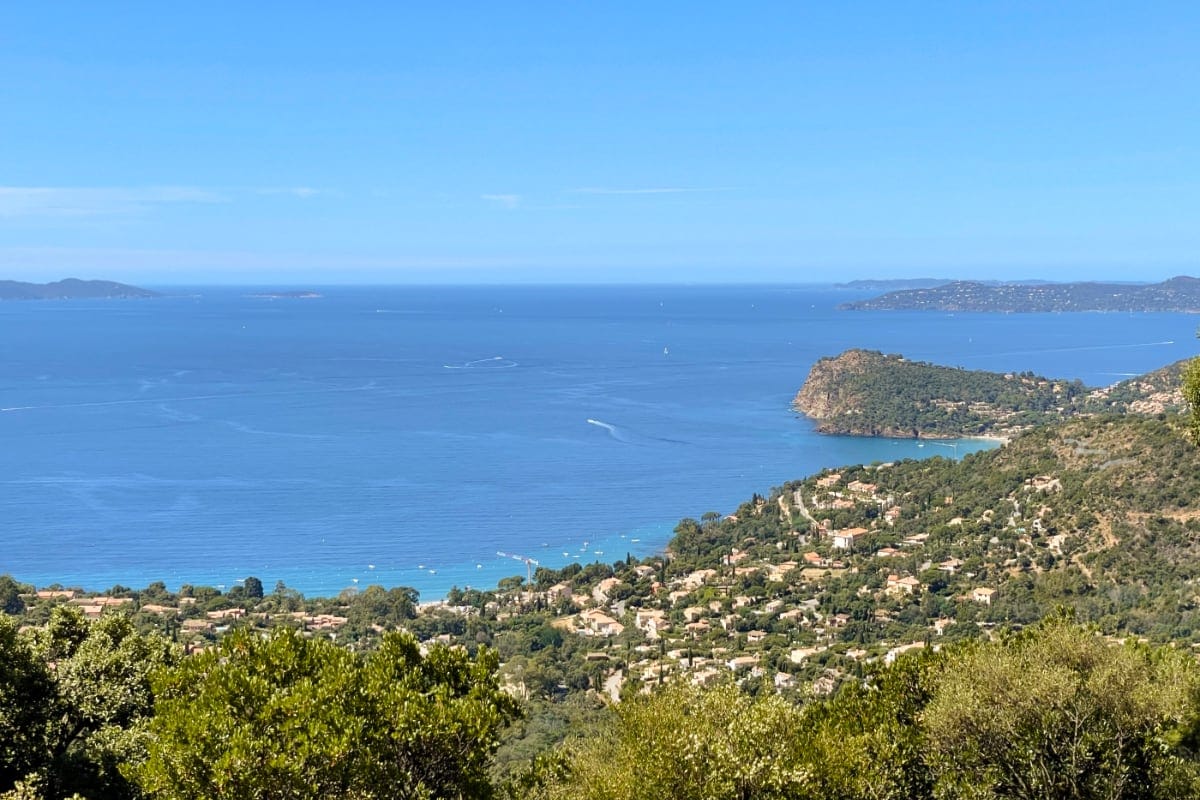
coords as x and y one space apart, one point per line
1059 712
291 717
684 743
10 595
26 692
72 696
1191 393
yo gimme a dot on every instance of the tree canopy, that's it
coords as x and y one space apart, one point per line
292 717
1191 393
72 696
1053 713
10 595
687 743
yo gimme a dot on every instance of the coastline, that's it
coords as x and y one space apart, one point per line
432 581
324 438
933 437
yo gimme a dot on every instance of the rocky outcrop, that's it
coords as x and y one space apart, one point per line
833 395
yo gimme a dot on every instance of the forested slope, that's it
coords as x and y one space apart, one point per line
868 393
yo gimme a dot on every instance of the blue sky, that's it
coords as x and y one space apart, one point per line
390 142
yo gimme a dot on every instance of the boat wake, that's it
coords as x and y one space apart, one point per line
1079 349
243 428
612 429
495 362
626 436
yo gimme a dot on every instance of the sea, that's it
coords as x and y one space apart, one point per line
447 436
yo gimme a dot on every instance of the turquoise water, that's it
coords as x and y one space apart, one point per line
409 435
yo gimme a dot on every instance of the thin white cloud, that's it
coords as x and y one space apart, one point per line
94 201
651 190
302 192
73 201
503 200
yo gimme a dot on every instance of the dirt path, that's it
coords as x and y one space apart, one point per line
612 685
804 509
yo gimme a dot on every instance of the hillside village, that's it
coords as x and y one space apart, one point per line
761 612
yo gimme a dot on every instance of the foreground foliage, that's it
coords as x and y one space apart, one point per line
96 710
1191 394
688 743
1053 713
72 697
290 717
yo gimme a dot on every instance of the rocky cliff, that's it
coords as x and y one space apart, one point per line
834 391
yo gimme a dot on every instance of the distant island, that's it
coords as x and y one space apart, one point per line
892 284
868 393
293 295
72 289
1180 294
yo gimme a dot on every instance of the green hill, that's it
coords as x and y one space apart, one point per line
71 289
868 393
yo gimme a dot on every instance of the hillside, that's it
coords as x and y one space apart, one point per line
803 586
1099 513
71 289
799 592
1180 294
868 393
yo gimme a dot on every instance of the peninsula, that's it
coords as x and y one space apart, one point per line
1179 295
72 289
868 393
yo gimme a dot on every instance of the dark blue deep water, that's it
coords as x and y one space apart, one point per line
406 435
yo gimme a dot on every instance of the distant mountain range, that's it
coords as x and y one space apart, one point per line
1181 294
71 289
895 284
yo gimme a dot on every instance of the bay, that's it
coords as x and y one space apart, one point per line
409 435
